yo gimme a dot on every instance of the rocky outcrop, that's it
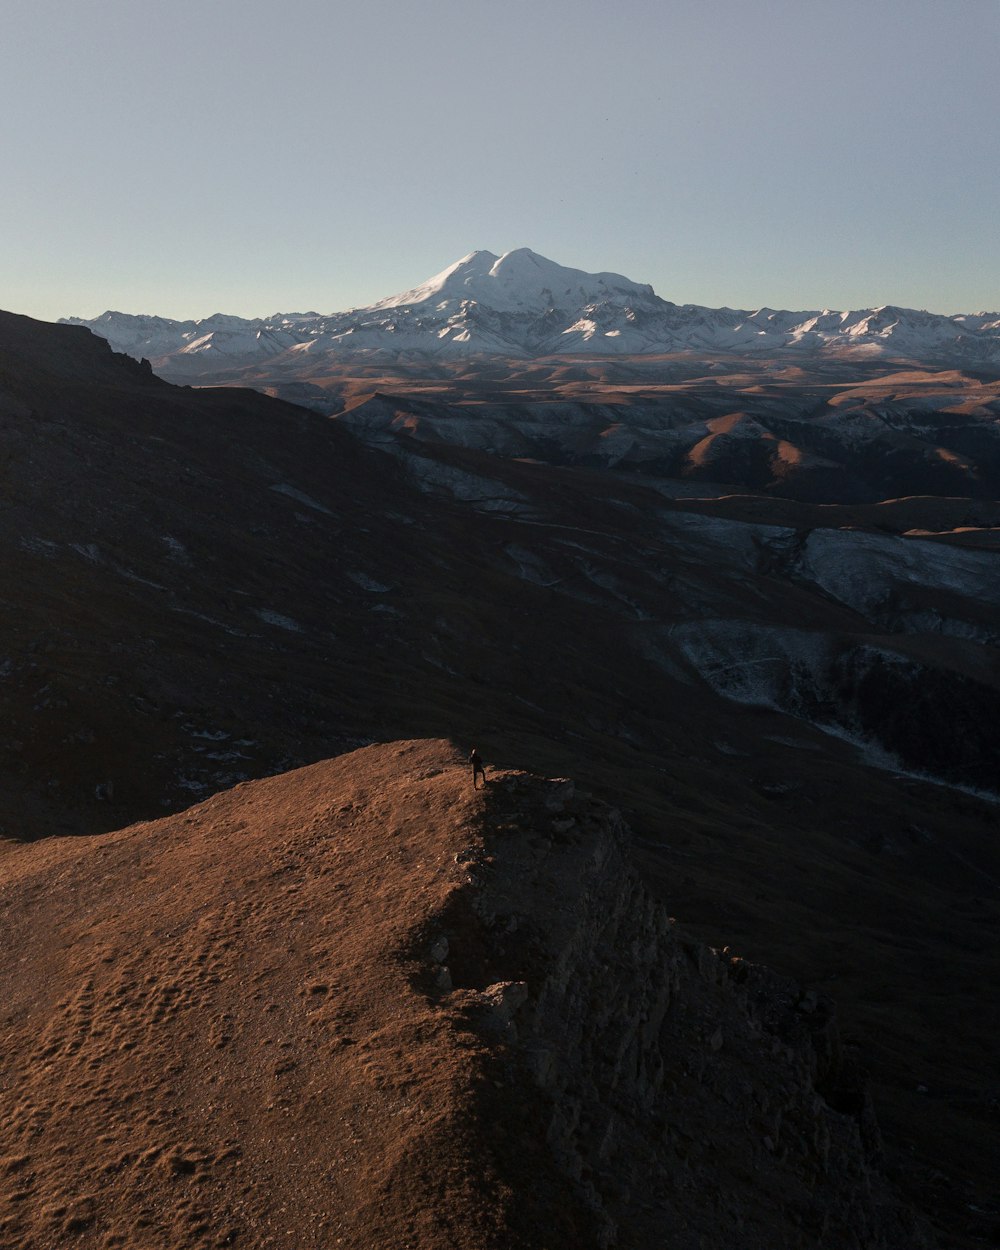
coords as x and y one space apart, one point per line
904 704
693 1099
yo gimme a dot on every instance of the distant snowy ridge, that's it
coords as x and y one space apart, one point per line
523 305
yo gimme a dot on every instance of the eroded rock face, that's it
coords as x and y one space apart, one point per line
692 1098
901 708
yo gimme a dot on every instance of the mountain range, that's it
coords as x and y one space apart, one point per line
522 305
822 407
784 681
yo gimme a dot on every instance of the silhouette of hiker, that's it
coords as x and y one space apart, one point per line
476 760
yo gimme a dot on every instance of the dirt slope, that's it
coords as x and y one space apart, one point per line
364 1005
211 1036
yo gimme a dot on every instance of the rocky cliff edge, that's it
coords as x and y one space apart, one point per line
364 1005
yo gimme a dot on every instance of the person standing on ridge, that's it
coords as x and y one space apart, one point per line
476 760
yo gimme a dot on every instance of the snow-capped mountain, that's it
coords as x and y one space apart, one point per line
523 305
518 282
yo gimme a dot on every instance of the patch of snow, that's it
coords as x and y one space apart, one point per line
276 618
134 577
369 583
176 550
39 546
859 568
531 567
610 583
192 785
484 493
876 756
209 620
746 662
282 488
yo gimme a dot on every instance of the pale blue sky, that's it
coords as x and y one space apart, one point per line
237 156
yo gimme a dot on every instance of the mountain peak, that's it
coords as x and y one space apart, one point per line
518 281
448 284
523 257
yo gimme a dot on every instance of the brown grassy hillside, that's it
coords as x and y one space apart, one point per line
212 1034
364 1005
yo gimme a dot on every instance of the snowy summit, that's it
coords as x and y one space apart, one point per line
518 281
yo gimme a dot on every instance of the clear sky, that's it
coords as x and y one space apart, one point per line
237 156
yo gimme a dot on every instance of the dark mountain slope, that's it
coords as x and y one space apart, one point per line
186 593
